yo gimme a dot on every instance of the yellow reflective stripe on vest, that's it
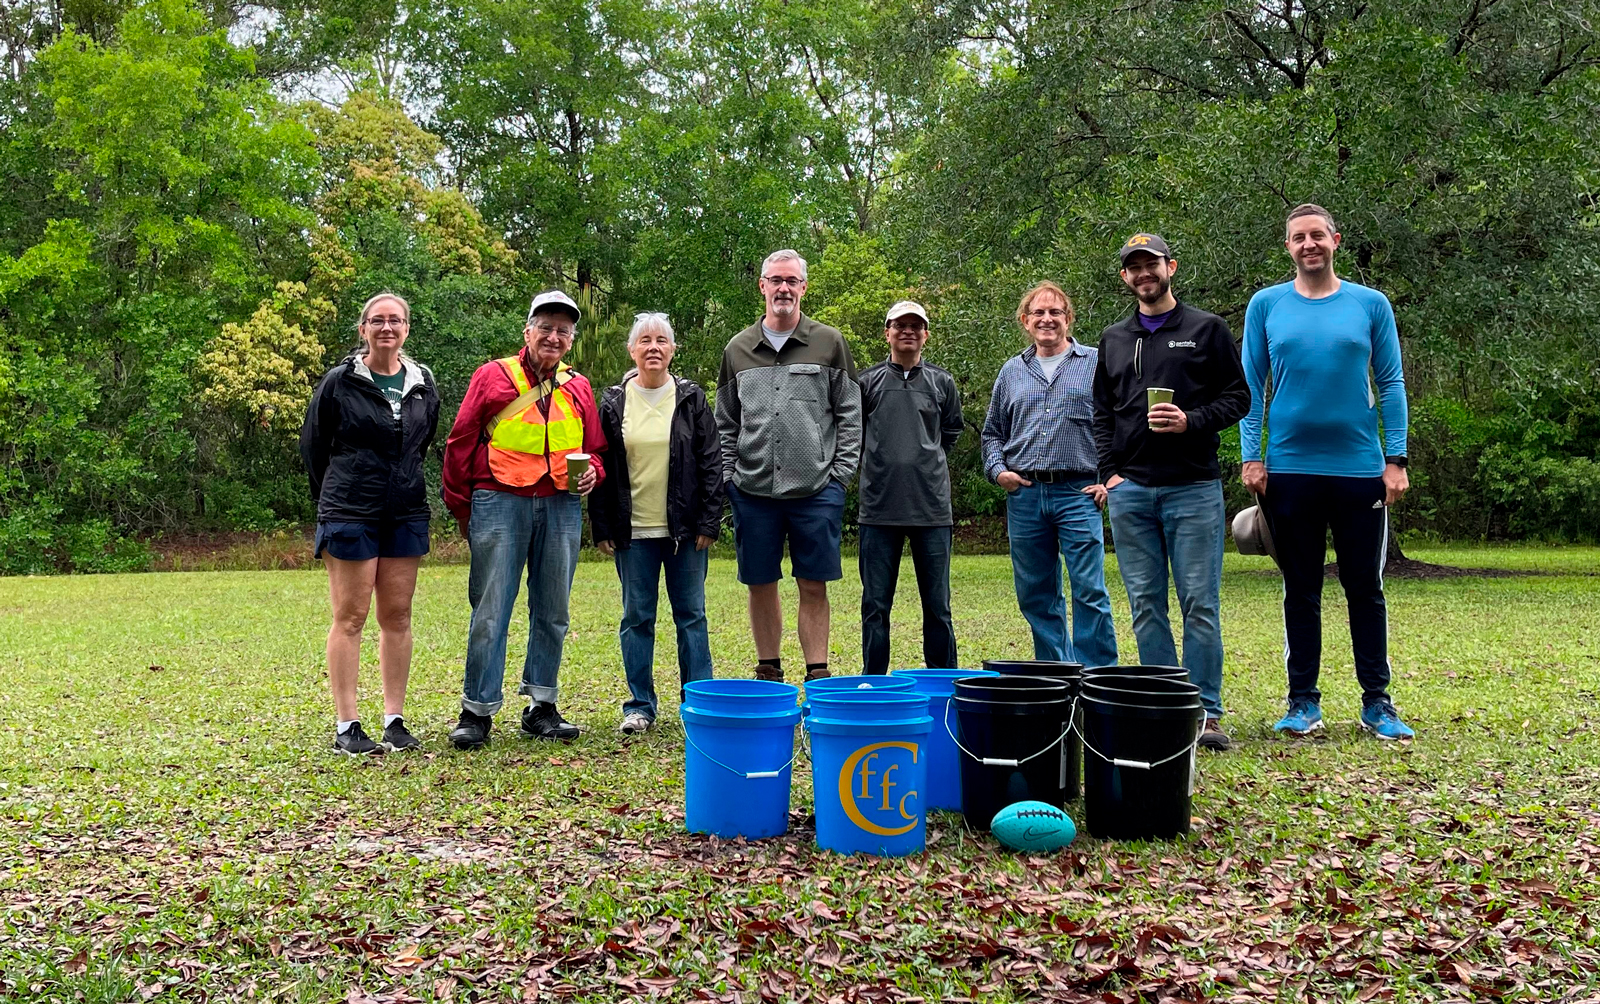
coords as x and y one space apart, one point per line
528 430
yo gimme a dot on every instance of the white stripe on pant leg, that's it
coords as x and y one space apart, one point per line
1383 559
1285 633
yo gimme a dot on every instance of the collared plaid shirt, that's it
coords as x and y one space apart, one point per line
1039 424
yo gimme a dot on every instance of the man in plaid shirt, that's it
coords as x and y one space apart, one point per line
1038 444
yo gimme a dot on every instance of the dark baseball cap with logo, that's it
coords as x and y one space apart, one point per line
1145 242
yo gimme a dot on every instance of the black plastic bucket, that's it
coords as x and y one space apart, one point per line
1011 731
1154 691
1139 738
1168 672
1072 671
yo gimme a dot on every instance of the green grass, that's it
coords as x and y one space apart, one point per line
173 825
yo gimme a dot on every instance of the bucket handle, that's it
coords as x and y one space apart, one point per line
746 774
998 762
1140 764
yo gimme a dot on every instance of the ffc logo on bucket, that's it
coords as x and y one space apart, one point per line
867 785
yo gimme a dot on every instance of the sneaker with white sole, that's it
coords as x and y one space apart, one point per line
355 742
1382 720
635 723
1304 717
399 738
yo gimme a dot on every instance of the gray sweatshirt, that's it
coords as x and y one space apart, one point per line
912 419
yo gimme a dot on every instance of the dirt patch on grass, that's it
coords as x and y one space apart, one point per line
1406 568
287 549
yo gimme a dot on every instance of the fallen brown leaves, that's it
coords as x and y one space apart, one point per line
1469 903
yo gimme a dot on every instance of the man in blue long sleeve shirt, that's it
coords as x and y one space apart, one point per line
1324 342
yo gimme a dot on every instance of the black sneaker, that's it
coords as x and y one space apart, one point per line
543 721
397 737
471 731
354 742
1213 738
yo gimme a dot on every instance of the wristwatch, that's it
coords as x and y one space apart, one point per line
1397 461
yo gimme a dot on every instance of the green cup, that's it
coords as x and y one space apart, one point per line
1156 395
577 463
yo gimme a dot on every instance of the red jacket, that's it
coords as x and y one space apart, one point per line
466 451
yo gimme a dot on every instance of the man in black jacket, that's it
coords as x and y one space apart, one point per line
912 417
1168 382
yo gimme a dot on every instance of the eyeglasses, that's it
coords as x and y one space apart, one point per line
911 326
386 322
551 329
1043 312
785 280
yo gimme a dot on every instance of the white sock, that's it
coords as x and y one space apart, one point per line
345 726
389 720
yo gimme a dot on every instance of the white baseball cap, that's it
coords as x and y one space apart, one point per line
905 307
554 298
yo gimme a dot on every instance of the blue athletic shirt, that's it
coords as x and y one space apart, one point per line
1324 419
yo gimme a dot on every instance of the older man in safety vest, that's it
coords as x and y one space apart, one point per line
506 482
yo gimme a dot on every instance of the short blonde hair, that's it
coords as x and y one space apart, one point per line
1310 209
1033 294
396 297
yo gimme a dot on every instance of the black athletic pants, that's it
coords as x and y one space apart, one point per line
1301 508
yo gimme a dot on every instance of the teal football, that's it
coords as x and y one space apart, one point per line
1033 826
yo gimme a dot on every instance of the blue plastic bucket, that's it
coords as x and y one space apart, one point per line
835 684
944 760
737 755
869 768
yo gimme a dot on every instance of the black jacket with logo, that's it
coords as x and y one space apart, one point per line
1193 353
365 462
911 421
694 469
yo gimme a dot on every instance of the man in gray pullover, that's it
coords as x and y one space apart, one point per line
789 418
912 413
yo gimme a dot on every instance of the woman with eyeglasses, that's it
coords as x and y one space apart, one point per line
370 422
658 511
1038 444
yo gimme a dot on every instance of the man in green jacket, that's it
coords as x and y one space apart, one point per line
789 420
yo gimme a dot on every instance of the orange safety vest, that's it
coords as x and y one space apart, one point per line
526 442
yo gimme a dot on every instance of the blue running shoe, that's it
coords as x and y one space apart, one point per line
1382 720
1303 717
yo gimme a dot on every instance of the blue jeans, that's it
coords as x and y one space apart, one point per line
639 568
1049 524
880 573
507 532
1180 525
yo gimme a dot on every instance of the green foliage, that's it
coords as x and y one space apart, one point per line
851 288
600 348
263 371
34 542
162 191
1542 497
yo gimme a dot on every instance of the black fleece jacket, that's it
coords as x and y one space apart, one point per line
1193 353
694 469
365 463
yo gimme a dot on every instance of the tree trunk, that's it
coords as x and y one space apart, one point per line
1392 552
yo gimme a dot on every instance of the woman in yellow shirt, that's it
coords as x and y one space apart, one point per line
658 510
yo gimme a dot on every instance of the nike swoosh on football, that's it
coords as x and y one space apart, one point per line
1030 833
